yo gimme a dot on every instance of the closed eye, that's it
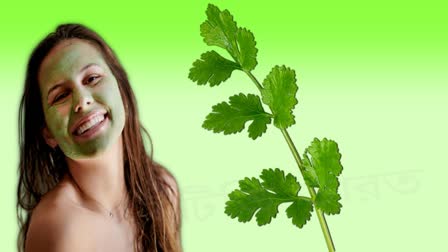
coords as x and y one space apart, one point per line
60 96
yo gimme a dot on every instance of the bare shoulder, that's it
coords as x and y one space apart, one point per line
173 187
173 191
170 181
57 226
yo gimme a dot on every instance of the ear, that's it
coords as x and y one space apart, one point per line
51 141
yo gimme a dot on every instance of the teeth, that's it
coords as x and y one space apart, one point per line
89 124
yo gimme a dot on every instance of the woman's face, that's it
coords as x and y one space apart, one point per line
83 108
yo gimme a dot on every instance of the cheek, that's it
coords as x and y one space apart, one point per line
57 121
110 96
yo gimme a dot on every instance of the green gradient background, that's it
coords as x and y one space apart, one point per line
372 76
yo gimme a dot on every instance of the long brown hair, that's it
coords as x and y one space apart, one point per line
41 168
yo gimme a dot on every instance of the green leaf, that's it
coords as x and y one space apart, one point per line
248 52
279 93
212 68
325 162
300 212
309 173
221 30
328 201
231 118
322 171
275 180
265 197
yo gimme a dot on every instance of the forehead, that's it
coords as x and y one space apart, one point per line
66 59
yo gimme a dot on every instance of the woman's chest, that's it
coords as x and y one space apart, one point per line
111 236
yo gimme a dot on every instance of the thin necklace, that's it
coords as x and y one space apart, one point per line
109 212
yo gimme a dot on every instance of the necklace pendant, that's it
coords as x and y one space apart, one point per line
111 215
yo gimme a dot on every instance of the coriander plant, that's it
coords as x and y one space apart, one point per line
320 163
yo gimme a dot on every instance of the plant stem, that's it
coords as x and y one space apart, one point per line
252 77
320 214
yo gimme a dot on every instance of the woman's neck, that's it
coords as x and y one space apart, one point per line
101 179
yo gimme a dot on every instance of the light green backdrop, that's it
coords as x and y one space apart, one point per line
372 76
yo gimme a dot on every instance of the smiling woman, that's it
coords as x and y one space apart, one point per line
86 181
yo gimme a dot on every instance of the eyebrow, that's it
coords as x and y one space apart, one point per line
60 84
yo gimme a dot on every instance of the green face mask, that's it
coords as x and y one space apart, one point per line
74 81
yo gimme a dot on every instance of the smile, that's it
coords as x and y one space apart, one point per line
89 124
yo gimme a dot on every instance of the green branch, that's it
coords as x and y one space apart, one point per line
320 164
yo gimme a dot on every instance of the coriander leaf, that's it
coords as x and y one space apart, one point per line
231 117
248 52
221 30
325 162
275 180
328 201
279 93
322 171
259 126
245 202
265 197
309 173
300 212
212 68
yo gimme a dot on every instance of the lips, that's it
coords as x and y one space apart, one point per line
84 119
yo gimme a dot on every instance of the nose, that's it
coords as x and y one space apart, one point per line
82 101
